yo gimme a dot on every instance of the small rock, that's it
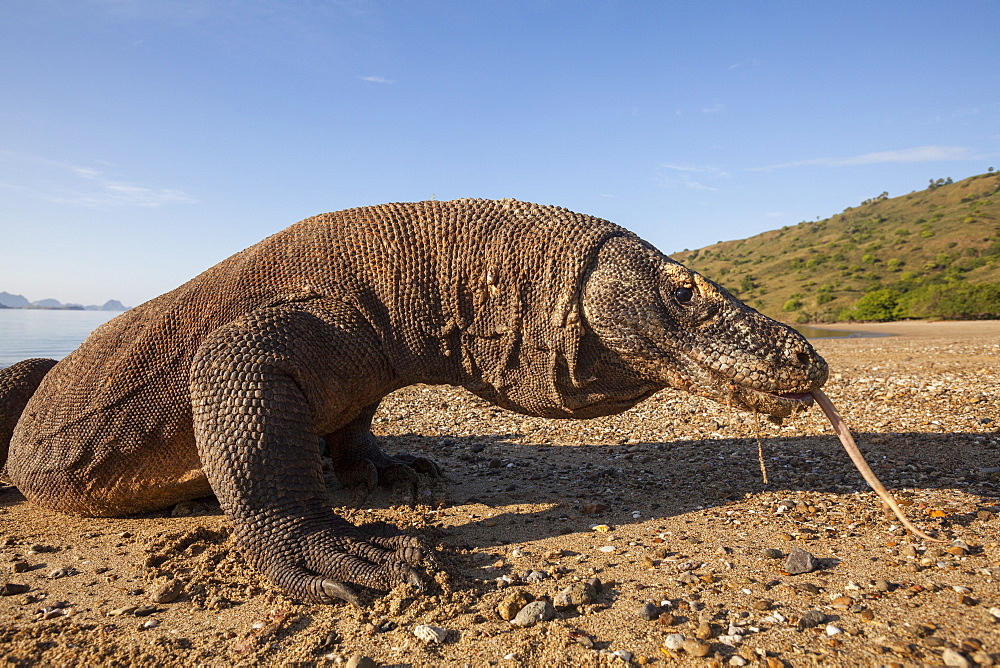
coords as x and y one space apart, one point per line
535 576
799 561
20 567
533 613
832 630
595 583
673 641
151 623
696 648
811 619
166 592
578 593
649 612
12 589
737 660
144 611
704 631
622 654
983 658
127 610
512 604
730 639
953 658
883 585
763 604
842 602
431 634
359 661
771 553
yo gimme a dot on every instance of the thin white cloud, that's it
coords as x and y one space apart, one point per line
378 80
716 108
672 176
65 183
916 154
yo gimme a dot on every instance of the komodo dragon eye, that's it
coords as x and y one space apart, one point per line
683 295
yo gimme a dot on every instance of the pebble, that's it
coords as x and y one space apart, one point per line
811 619
832 630
428 633
166 592
883 585
536 576
649 612
359 661
737 660
842 602
799 561
696 648
20 567
771 553
127 610
763 604
533 613
513 603
673 641
688 577
12 589
622 654
578 593
953 658
151 623
704 631
730 639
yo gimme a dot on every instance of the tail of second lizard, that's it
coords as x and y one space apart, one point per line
17 384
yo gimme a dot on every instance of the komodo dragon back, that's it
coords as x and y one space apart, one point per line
225 384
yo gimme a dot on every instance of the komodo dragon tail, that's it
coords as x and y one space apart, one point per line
17 384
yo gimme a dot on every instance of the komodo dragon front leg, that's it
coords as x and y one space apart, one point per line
262 389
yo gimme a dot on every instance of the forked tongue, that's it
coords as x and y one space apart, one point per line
859 461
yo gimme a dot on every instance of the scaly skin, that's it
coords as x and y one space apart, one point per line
225 384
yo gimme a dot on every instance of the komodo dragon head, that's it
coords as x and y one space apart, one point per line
675 328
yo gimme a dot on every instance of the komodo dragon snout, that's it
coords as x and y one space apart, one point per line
676 327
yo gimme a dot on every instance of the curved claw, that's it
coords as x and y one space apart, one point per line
421 465
341 591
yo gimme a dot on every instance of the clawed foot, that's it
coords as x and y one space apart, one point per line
322 565
406 475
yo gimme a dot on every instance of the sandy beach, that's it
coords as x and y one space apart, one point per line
650 537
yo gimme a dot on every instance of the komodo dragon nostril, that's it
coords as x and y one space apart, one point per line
803 358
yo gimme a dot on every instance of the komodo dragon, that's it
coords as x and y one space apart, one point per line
224 384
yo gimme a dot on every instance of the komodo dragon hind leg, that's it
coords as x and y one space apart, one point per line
361 465
17 384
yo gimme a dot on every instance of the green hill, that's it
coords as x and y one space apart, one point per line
932 253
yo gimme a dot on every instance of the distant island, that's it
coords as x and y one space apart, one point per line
8 300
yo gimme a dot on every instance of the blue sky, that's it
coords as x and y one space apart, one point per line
142 141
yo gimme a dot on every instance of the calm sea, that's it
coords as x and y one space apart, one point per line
26 333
